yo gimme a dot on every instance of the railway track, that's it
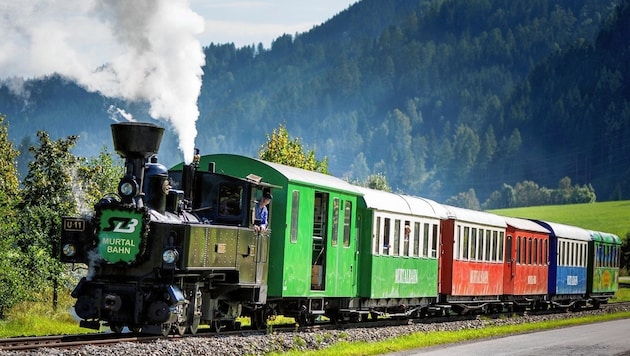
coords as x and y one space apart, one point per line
69 341
72 341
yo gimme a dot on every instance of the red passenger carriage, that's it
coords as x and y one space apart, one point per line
471 260
526 265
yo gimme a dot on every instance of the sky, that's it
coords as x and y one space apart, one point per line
246 22
142 50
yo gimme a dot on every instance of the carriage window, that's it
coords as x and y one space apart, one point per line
535 251
518 250
488 243
396 236
347 218
495 245
473 244
466 242
434 241
335 223
386 245
501 238
377 236
458 242
425 241
406 237
480 246
546 252
508 249
416 239
295 213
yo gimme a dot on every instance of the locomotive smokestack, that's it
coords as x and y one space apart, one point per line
135 142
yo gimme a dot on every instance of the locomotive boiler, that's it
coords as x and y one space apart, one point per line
168 253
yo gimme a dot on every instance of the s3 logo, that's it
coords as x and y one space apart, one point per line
121 225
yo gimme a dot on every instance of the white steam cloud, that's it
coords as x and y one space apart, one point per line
138 50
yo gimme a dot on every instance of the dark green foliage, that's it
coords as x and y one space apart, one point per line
12 278
528 193
57 184
467 200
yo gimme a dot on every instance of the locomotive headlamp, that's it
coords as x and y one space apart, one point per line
69 250
170 256
127 188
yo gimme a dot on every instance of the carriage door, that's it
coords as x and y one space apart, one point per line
318 265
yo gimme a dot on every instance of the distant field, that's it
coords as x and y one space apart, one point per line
612 217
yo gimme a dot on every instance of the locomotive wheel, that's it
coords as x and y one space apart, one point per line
117 329
180 329
166 329
259 319
216 326
194 326
136 330
193 311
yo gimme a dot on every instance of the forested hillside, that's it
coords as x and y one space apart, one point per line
440 95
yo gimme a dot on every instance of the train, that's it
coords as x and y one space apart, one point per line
178 248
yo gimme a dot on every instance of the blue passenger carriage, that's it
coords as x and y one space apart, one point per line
568 260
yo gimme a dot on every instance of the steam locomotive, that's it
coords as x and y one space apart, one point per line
166 254
178 248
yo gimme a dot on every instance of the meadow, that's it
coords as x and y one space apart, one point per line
612 216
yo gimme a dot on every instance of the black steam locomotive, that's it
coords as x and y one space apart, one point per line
169 252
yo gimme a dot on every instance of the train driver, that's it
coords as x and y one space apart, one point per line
262 213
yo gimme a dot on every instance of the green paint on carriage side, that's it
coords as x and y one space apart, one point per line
604 251
392 276
290 262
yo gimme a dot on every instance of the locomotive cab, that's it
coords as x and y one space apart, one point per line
156 250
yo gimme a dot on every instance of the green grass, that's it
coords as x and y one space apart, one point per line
612 216
427 339
38 318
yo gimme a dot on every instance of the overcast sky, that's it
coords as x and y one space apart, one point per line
246 22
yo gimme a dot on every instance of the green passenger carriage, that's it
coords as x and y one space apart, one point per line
400 236
313 238
604 252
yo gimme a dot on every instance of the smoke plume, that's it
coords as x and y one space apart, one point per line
140 50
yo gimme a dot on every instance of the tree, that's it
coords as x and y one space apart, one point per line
47 186
96 178
466 200
14 285
377 181
279 148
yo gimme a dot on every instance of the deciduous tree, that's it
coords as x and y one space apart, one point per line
279 148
